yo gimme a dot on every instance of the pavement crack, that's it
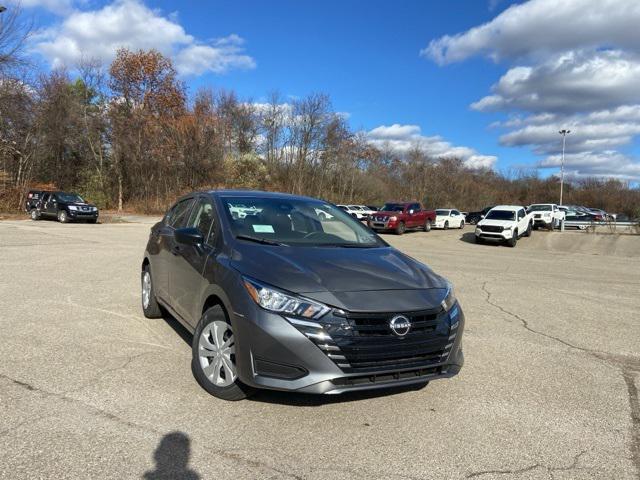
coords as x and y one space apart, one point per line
106 372
525 323
572 466
503 472
629 378
626 365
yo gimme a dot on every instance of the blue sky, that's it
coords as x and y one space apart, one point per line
490 80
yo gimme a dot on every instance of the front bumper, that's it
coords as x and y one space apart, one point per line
491 235
379 226
274 353
82 215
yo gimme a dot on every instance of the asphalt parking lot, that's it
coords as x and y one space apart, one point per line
89 388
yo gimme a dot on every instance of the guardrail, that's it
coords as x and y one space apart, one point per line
611 225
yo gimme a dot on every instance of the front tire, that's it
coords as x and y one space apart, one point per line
63 217
446 225
214 357
150 306
461 224
527 233
513 241
427 225
400 229
35 214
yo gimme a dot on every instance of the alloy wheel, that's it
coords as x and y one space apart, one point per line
216 352
146 289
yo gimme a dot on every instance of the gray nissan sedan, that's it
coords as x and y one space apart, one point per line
291 293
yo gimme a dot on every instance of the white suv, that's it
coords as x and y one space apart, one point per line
504 223
546 215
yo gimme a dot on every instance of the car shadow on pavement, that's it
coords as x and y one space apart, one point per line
177 327
468 237
172 459
311 400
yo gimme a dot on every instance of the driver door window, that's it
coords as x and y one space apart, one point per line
202 218
180 214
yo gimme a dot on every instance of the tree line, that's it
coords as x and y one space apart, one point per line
130 136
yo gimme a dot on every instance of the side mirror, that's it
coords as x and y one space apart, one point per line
189 236
411 212
481 216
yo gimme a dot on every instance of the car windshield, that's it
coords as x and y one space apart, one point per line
393 207
442 213
501 215
539 208
296 222
69 198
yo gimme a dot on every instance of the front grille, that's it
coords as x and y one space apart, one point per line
364 342
491 228
380 218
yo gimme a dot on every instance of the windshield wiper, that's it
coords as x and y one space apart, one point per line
263 241
348 245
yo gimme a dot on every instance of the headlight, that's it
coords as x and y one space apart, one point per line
546 214
506 228
279 302
73 207
94 209
450 300
393 219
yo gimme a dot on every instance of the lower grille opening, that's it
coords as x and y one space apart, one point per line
386 377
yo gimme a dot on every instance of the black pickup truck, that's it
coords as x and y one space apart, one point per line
474 217
65 207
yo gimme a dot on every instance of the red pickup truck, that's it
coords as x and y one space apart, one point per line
402 216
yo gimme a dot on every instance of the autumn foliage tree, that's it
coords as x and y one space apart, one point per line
131 136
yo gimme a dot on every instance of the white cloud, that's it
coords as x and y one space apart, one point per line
402 138
545 139
543 27
130 23
587 164
569 82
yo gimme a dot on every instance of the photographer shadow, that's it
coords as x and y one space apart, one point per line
172 459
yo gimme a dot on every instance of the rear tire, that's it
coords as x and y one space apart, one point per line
150 306
217 374
427 225
400 229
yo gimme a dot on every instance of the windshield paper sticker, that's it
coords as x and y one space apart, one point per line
263 229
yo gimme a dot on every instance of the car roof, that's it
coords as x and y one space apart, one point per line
507 207
248 194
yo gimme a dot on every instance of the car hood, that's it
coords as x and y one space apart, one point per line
497 223
77 204
386 214
351 278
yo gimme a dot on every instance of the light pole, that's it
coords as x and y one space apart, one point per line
564 134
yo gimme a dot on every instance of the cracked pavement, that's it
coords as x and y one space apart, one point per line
89 388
